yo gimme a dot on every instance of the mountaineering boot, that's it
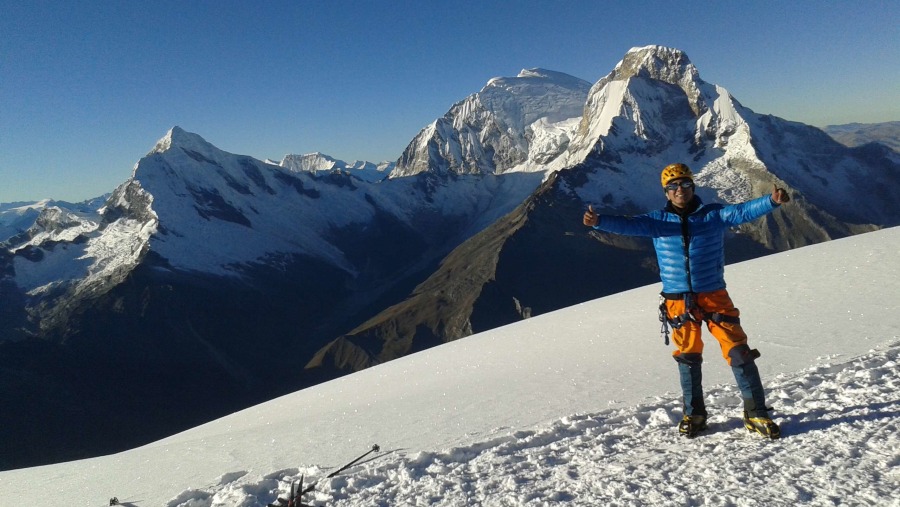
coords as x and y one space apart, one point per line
762 425
690 425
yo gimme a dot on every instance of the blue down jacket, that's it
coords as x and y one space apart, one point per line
701 266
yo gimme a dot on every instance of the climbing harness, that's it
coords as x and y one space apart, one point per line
692 313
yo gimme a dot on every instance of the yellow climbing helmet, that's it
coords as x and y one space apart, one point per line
675 171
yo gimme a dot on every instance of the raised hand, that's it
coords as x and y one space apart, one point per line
590 218
779 195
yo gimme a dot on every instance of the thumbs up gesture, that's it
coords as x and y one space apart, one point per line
779 195
590 218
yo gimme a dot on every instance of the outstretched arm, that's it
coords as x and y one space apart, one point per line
641 225
744 212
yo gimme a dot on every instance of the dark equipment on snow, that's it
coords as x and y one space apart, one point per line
123 503
295 497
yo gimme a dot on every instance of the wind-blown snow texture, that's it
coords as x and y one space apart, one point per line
573 407
839 448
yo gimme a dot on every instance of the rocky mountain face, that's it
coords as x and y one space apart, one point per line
209 281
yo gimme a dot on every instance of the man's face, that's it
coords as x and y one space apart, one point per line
680 191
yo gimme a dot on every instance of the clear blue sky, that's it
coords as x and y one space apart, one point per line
87 88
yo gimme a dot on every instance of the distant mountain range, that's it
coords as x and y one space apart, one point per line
858 134
209 281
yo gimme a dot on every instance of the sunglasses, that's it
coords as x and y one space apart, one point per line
671 187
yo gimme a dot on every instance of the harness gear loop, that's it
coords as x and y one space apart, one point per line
664 318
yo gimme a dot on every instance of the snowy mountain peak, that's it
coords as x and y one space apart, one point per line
537 77
178 137
538 72
510 122
665 64
310 162
534 94
650 102
656 61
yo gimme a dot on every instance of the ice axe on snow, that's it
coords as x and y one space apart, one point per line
295 497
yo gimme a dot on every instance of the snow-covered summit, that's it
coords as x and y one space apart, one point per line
543 120
499 129
178 137
653 109
634 84
665 64
536 73
532 95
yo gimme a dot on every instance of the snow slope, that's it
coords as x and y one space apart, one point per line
573 407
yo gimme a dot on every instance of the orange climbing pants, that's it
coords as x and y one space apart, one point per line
687 338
